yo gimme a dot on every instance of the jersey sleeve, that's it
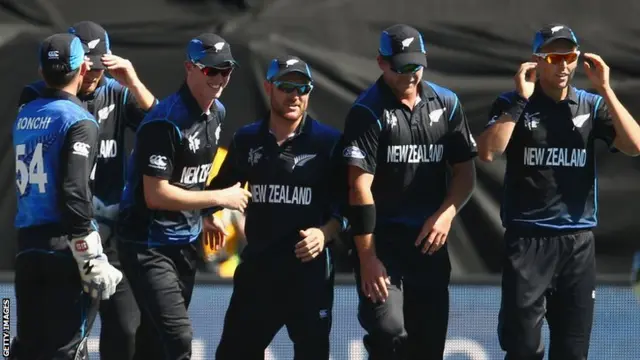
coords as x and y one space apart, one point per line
603 123
156 145
27 95
77 160
500 106
362 135
462 145
133 112
339 188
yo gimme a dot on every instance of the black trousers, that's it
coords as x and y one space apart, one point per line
162 280
54 314
119 315
552 276
271 292
412 323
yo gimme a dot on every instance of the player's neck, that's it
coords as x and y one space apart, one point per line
553 92
204 102
409 99
70 89
282 128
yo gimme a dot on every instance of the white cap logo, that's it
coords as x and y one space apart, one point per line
291 62
406 42
218 46
93 43
556 28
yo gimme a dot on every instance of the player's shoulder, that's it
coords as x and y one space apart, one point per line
168 109
249 130
368 104
323 131
36 87
507 97
445 94
584 97
222 111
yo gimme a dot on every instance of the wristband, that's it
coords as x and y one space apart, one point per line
517 107
362 219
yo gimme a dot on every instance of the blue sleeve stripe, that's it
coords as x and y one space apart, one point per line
503 97
596 106
125 96
372 113
455 106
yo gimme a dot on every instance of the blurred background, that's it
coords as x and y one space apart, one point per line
474 48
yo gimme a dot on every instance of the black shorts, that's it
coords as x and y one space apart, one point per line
54 314
162 280
547 274
270 292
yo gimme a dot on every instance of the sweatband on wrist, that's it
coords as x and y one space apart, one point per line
362 219
517 107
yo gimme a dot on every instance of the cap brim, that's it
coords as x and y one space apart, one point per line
411 58
218 60
97 62
289 71
561 37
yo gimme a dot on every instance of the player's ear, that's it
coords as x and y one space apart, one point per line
267 87
84 68
382 64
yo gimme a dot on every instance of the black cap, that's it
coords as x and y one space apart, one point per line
403 45
553 32
285 65
95 38
210 50
62 49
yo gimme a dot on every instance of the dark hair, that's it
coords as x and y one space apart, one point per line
57 75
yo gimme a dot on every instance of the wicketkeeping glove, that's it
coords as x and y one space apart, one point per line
635 275
99 278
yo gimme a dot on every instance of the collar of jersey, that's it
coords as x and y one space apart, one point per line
572 96
424 92
303 128
192 105
63 95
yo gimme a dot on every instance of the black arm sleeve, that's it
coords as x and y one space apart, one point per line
362 134
603 125
133 112
27 95
462 146
77 160
156 144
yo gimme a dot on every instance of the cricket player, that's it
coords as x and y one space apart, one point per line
60 251
163 201
547 130
402 137
286 276
117 103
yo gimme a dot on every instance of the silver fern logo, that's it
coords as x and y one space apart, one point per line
300 160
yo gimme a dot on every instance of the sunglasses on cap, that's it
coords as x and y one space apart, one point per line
557 58
289 87
408 69
224 69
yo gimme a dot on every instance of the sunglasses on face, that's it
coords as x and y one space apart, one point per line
225 70
288 87
408 69
557 58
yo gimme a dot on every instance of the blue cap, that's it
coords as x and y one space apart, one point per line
62 52
403 45
210 50
285 65
551 33
96 40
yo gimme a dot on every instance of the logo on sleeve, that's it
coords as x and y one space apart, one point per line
82 149
158 162
391 118
353 152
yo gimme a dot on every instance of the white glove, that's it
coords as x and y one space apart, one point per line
635 275
99 278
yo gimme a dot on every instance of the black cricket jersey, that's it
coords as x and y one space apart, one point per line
294 186
54 140
550 181
407 151
176 141
115 109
